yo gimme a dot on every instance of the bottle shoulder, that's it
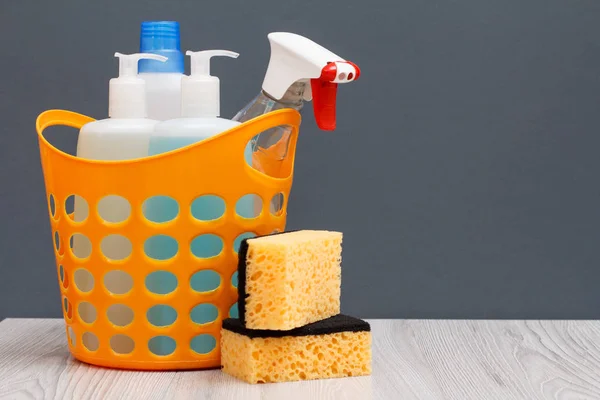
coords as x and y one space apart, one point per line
120 125
115 139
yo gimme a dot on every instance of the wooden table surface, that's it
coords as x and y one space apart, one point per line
412 359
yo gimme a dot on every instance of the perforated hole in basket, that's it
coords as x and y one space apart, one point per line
84 280
204 313
162 345
276 205
203 343
161 247
80 245
161 282
160 209
205 281
249 206
118 282
52 206
87 312
90 341
238 240
76 208
208 207
116 247
122 344
161 315
68 308
57 242
206 246
64 278
71 336
114 209
120 315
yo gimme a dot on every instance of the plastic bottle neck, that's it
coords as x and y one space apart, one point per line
127 98
200 97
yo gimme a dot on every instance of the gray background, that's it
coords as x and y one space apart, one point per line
464 171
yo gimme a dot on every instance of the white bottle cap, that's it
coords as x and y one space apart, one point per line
127 93
200 92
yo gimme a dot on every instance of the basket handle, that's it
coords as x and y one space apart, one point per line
255 126
60 117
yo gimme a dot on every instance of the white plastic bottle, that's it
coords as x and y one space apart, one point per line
122 136
200 110
125 134
163 79
200 107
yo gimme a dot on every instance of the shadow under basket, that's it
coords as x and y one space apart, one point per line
150 311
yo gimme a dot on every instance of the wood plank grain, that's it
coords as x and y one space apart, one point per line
412 359
440 359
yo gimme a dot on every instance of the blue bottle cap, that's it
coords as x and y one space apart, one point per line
161 37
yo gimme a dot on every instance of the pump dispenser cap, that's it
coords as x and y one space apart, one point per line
200 92
162 38
127 93
296 58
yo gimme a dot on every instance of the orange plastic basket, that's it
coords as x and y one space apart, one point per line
213 167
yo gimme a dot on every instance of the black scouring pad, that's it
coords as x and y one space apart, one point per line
335 324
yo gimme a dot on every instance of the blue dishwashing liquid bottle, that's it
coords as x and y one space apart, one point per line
199 120
163 80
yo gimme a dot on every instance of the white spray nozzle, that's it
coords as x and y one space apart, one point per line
128 63
200 60
200 92
295 58
127 93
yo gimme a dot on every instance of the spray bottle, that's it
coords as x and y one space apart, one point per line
299 70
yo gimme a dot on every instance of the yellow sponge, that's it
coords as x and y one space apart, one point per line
337 347
289 279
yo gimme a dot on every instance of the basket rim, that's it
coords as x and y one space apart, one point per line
72 119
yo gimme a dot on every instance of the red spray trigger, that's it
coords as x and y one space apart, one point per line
324 91
324 94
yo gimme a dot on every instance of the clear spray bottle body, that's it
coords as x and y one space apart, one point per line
270 148
295 63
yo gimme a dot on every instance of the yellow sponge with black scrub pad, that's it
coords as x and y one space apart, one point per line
289 279
336 347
